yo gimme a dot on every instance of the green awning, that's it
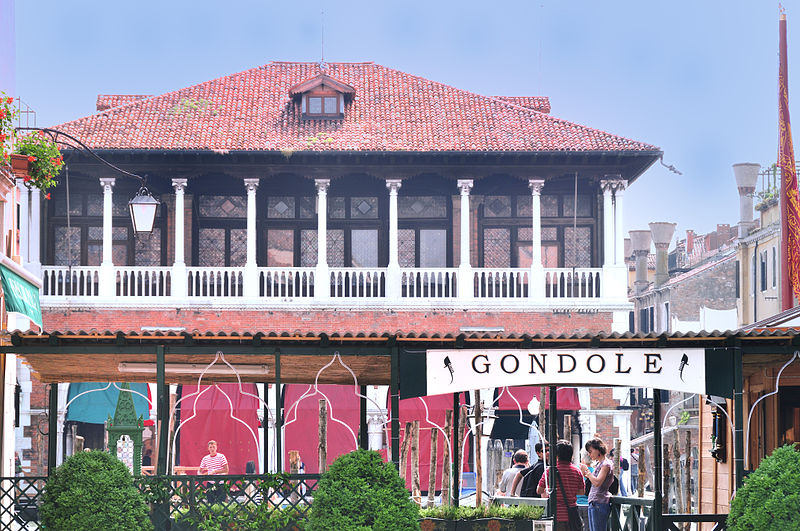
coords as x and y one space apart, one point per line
21 295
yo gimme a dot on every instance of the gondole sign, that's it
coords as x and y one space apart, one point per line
691 370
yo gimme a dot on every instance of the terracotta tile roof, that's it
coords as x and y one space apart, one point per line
537 103
107 101
391 111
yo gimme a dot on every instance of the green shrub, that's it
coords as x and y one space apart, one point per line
518 512
360 492
770 496
90 491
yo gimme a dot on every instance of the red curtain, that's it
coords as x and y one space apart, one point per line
213 421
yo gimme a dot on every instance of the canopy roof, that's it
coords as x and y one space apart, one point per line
77 356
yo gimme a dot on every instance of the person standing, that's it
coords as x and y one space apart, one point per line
520 462
527 480
571 479
601 479
214 463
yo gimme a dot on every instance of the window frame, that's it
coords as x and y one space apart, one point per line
322 94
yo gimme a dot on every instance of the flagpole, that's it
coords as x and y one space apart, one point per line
790 203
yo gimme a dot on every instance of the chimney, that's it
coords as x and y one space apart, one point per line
640 243
689 241
746 174
662 234
627 249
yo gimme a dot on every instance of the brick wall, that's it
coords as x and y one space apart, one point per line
328 321
713 288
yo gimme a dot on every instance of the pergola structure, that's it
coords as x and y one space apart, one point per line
375 360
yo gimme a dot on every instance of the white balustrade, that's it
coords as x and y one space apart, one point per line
143 281
78 281
501 283
215 281
575 283
357 283
433 283
286 282
299 283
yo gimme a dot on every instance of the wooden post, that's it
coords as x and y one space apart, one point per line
478 464
568 428
294 468
447 467
642 472
676 453
404 450
542 407
618 459
323 436
432 474
462 422
687 474
666 479
415 490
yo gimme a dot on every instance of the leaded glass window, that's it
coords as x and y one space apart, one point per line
584 206
280 248
524 206
222 206
364 207
336 208
148 248
406 250
422 207
432 248
364 248
211 248
67 246
577 247
497 247
549 206
497 206
280 207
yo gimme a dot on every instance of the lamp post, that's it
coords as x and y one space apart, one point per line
142 207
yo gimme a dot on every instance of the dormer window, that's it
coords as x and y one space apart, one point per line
323 105
322 97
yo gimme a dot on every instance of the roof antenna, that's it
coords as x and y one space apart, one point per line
322 63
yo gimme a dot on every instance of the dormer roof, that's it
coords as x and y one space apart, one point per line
322 80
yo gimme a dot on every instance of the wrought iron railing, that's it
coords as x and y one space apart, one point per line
184 503
20 498
268 501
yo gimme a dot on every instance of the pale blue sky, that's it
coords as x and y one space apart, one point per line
697 78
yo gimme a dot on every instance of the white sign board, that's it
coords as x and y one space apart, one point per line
450 371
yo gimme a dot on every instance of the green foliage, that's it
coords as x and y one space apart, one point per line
7 114
518 512
246 517
193 105
90 491
45 160
770 496
360 492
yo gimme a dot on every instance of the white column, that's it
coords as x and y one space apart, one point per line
9 435
619 235
34 233
607 187
179 278
536 282
107 280
465 280
321 275
24 202
393 278
251 267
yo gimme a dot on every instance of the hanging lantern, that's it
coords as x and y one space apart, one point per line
143 208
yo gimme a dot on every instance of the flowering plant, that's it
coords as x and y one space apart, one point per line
45 161
7 114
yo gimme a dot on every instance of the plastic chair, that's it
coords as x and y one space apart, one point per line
468 484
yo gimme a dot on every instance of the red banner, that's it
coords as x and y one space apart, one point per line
790 203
